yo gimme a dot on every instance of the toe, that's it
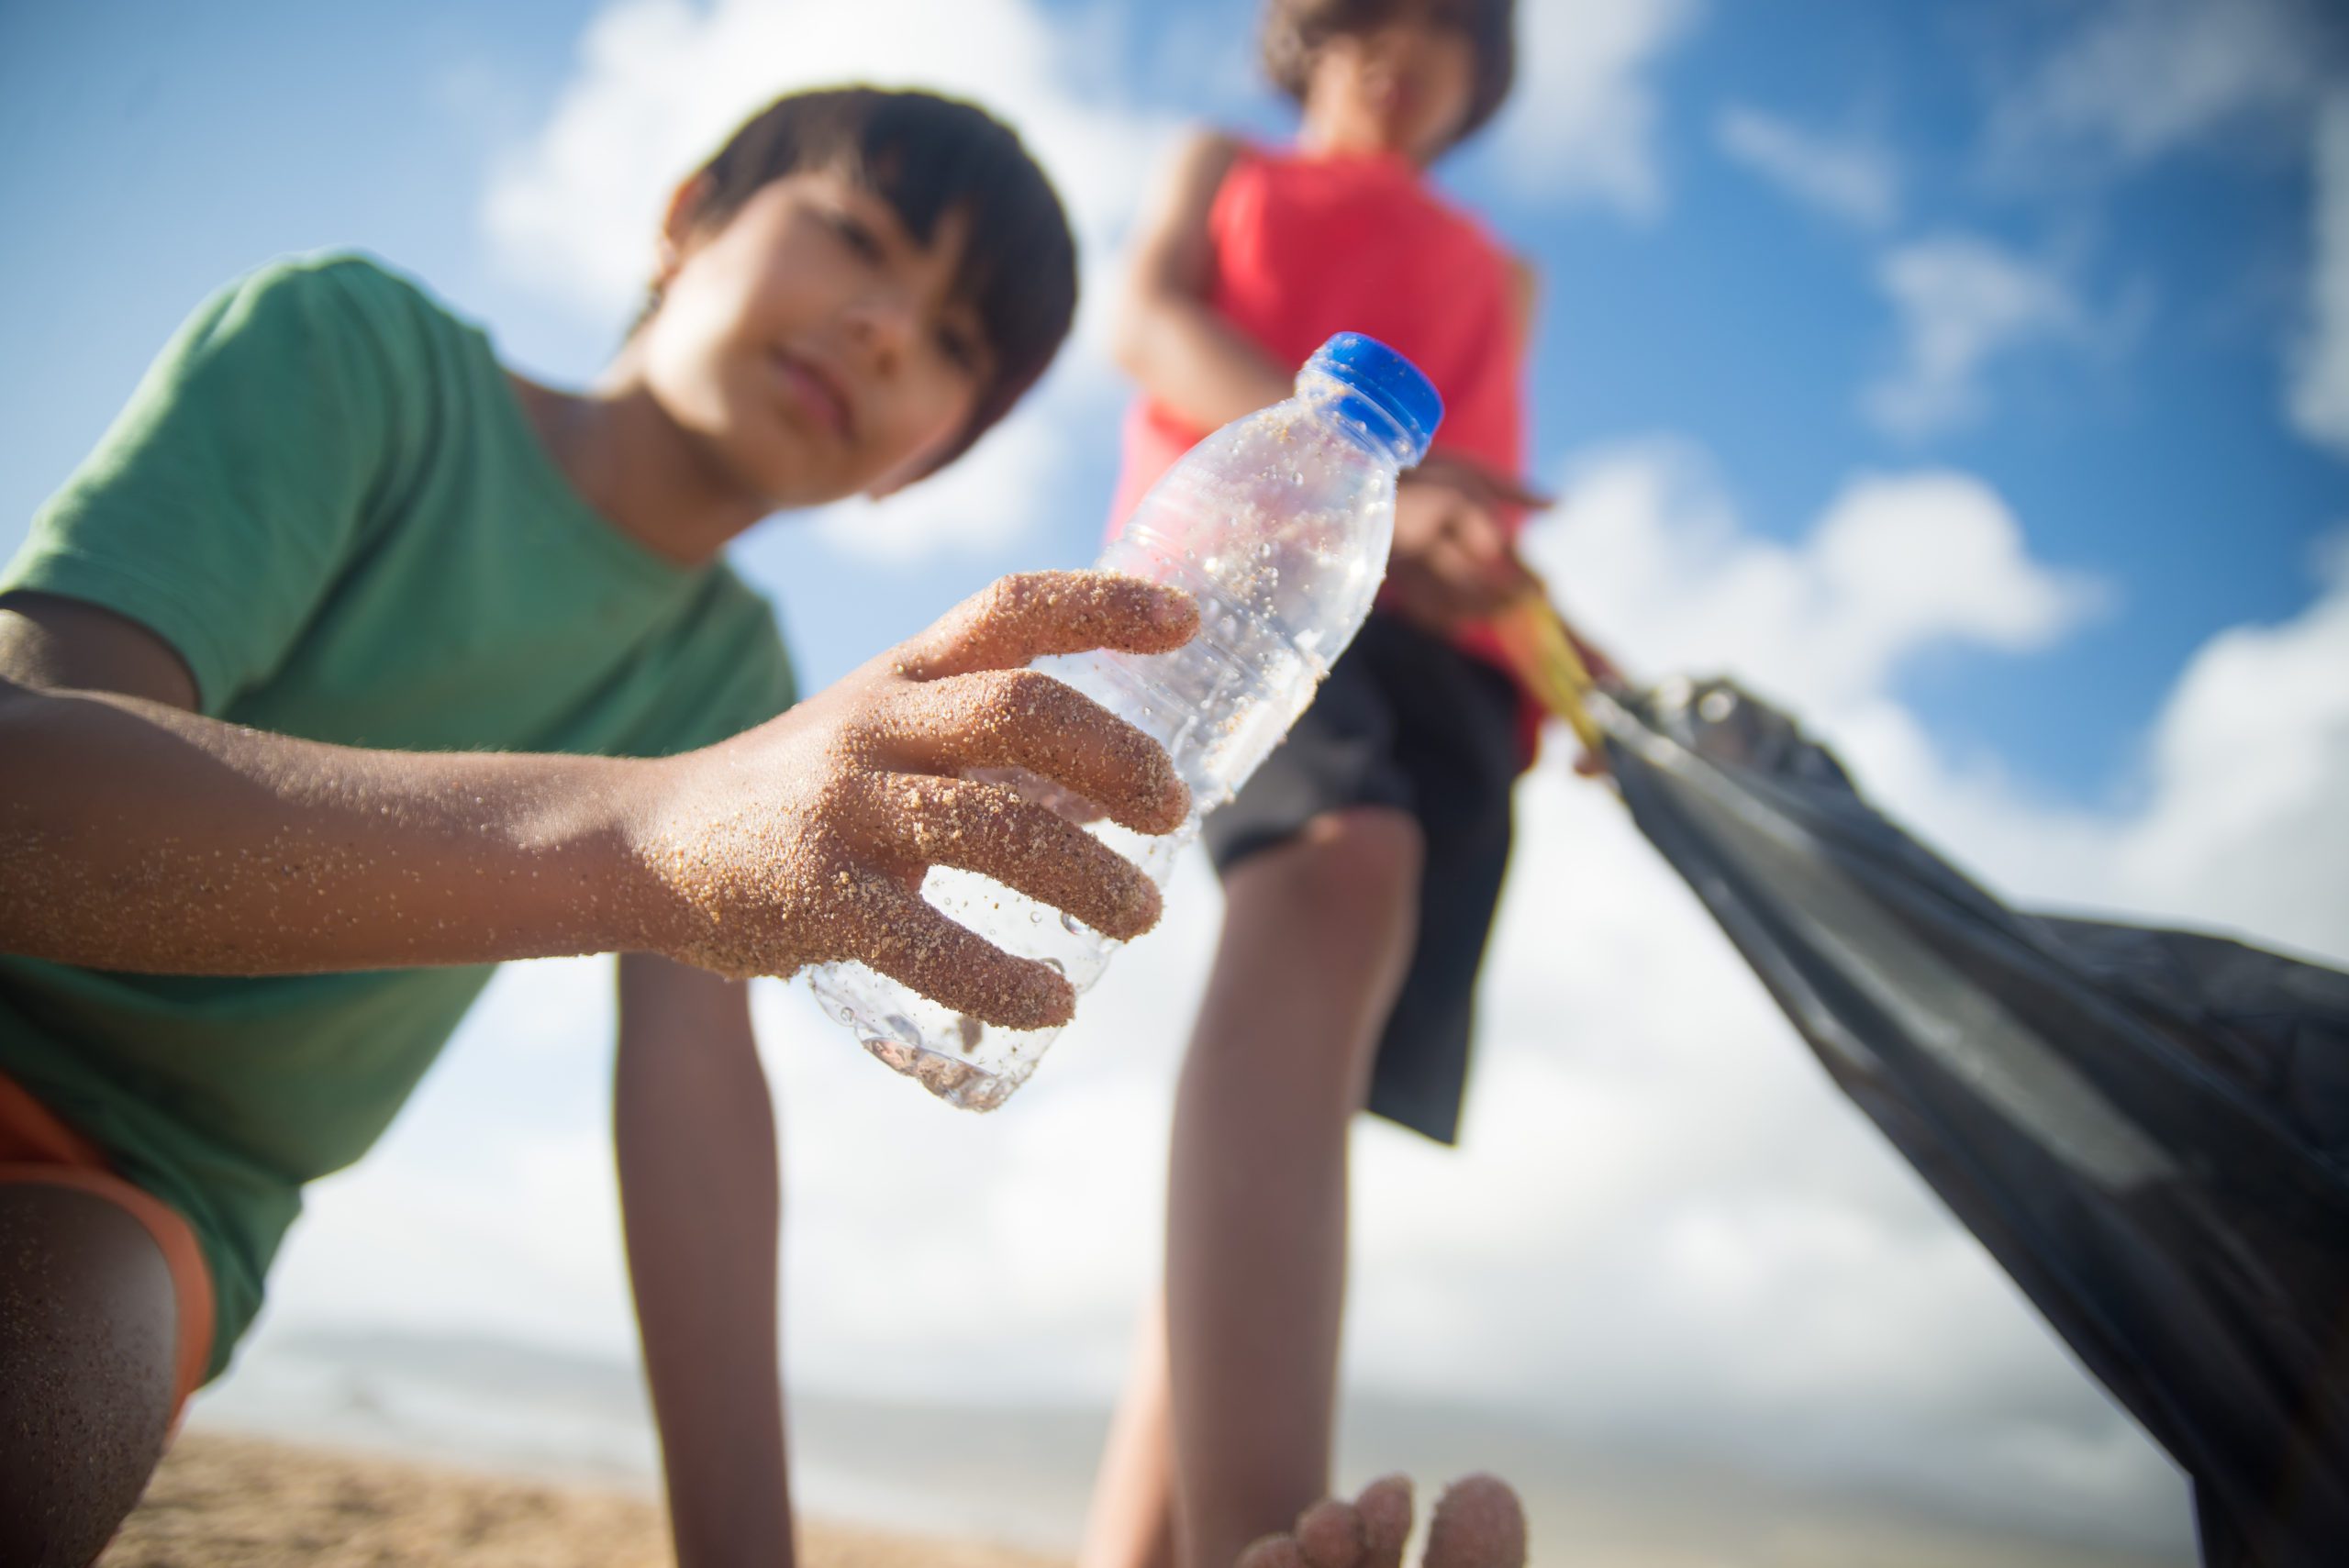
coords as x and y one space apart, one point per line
1384 1509
1272 1551
1329 1535
1478 1524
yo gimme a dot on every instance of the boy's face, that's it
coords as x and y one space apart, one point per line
812 346
1404 84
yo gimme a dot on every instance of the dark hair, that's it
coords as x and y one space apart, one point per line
927 156
1295 31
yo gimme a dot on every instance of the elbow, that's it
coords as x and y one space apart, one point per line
1131 333
1126 349
25 820
21 709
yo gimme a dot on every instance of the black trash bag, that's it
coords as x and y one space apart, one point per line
2149 1129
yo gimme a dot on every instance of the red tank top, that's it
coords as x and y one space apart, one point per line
1306 245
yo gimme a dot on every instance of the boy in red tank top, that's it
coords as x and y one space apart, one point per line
1362 863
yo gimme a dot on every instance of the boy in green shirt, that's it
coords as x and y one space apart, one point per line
351 663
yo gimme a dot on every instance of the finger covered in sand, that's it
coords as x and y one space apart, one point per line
1033 614
807 841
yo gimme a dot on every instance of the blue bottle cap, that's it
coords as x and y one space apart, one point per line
1385 391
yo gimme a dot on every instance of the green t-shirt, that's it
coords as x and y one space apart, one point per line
325 496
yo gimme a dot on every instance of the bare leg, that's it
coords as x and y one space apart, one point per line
88 1325
1316 937
1132 1523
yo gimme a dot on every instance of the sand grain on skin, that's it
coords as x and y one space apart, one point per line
1038 614
824 862
1028 720
988 828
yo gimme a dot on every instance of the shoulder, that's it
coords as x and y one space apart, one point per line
1206 148
1203 159
331 307
1171 237
324 283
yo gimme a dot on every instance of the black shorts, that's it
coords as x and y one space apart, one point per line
1405 720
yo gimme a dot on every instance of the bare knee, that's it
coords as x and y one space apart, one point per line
1317 933
1351 880
87 1326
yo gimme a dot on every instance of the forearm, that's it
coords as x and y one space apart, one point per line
1195 363
699 1193
134 835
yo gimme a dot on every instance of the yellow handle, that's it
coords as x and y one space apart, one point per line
1536 642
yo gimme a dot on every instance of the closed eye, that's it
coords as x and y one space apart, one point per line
857 236
960 348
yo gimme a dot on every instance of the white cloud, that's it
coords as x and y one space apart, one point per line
1581 122
660 83
2250 766
2320 386
2138 81
2241 820
1849 179
1964 302
1653 557
2140 78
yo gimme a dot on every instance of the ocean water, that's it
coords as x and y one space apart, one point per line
1019 1475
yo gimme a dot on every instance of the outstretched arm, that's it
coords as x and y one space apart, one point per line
695 1139
134 834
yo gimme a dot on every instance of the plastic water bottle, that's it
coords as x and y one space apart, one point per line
1278 525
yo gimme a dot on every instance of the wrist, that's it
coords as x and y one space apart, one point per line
654 903
603 829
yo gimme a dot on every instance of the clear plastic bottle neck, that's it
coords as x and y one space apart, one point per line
1354 416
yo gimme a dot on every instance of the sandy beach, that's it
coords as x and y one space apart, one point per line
388 1450
223 1500
228 1499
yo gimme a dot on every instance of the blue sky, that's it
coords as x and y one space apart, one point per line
1972 376
161 151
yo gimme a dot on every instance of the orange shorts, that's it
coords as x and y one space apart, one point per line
36 1147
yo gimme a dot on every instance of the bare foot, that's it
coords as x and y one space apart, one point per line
1478 1524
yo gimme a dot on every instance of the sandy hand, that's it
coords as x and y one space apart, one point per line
1452 560
1479 1523
804 840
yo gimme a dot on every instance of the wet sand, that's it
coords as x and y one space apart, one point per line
231 1501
